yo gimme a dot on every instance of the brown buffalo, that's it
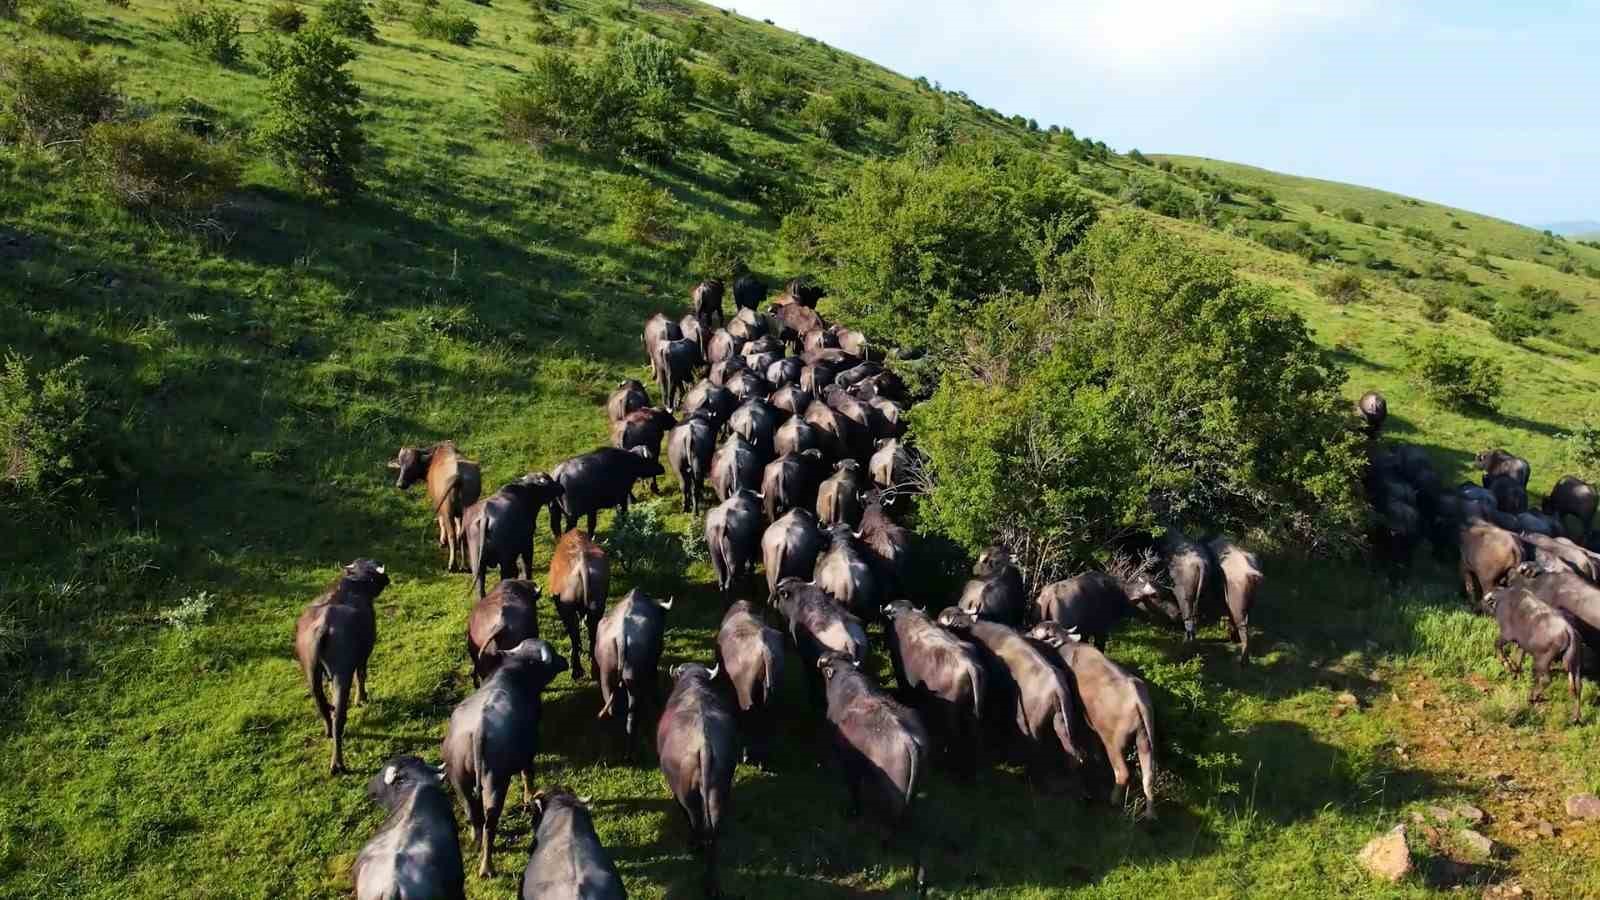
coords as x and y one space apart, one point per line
454 483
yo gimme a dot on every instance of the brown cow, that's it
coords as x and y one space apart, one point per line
580 577
505 618
454 483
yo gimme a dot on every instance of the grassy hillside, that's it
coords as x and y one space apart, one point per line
250 378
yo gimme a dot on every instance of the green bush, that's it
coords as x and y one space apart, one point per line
715 87
439 25
751 105
62 18
1512 324
313 121
158 167
643 211
285 18
1151 384
641 543
723 251
54 97
1434 309
211 31
1135 156
44 432
1351 214
907 243
1543 303
831 120
1342 287
348 18
630 102
1455 378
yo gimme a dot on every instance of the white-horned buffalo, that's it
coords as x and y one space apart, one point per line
454 483
499 528
415 853
599 479
945 677
568 860
697 742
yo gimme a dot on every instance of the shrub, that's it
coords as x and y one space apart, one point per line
1543 303
285 18
549 34
715 87
907 241
439 25
54 97
1455 378
643 211
764 180
1351 214
1342 287
44 431
751 105
62 18
1152 383
348 18
1135 156
313 123
1512 324
649 64
211 31
558 100
158 167
641 543
723 251
1434 309
831 120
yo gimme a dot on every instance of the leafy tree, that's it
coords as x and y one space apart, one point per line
349 18
313 122
831 119
1149 384
211 30
907 241
1453 377
1135 156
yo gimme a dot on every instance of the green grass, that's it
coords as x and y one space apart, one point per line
252 379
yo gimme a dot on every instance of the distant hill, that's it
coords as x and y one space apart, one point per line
1582 228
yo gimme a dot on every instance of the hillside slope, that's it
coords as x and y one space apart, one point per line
250 379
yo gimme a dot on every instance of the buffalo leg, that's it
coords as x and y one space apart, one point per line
555 520
527 559
341 706
494 798
1500 651
593 514
468 795
319 696
527 785
361 684
1119 773
1575 688
592 625
569 620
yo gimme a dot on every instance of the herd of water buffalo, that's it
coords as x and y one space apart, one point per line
1516 564
799 428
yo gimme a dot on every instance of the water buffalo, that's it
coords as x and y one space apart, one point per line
747 386
750 654
888 417
1189 566
839 496
1542 633
1093 603
690 447
454 483
694 331
817 625
818 340
568 860
1559 553
643 428
658 329
944 675
757 422
505 618
736 466
839 436
885 385
817 376
856 374
1115 703
713 401
493 735
707 300
887 544
723 346
797 435
627 652
791 482
784 372
629 396
1509 494
1488 554
333 640
1396 530
1498 462
1241 580
1539 523
801 290
748 324
863 419
749 292
889 464
733 538
995 592
675 364
1572 496
579 579
599 479
724 369
1373 410
697 741
416 852
1565 591
1027 693
789 547
795 321
846 573
880 745
499 529
790 398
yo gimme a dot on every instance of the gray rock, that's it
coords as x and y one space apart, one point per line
1583 806
1471 814
1387 856
1478 845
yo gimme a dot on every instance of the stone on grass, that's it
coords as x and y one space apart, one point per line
1387 856
1583 806
1478 845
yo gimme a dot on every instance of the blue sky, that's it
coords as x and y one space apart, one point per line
1493 107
